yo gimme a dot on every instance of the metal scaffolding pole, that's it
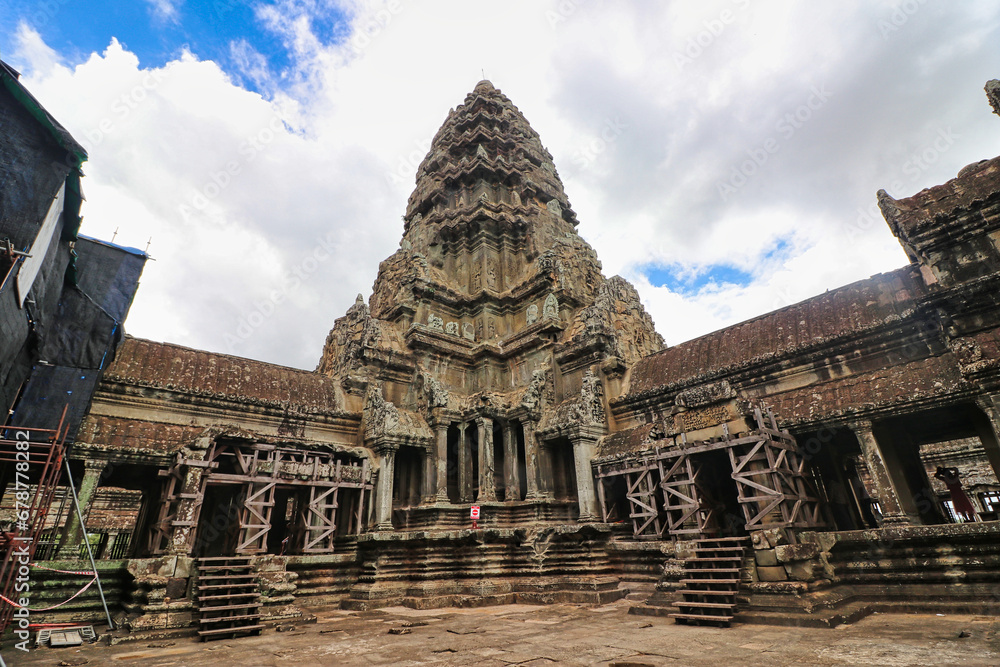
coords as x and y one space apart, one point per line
86 540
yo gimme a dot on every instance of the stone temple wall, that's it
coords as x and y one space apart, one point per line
494 364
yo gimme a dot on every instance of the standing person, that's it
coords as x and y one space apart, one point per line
959 499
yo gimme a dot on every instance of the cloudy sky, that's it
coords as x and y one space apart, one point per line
723 156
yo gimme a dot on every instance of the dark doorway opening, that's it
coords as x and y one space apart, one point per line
454 494
831 454
563 482
522 467
286 521
720 495
616 498
407 486
218 522
499 461
472 460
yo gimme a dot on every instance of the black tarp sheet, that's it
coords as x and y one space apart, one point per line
83 337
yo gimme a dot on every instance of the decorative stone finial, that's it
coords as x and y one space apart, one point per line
360 301
993 94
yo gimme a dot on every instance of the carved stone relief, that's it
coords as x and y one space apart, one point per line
550 310
491 272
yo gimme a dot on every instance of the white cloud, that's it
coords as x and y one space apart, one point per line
33 51
165 10
269 215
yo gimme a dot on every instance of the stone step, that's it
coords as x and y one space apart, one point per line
249 605
227 596
219 587
220 633
688 591
222 619
706 605
688 570
702 617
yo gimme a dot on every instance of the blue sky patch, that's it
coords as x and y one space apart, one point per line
682 280
77 28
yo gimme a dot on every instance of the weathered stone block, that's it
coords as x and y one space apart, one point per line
804 570
788 553
824 541
183 566
776 573
176 587
673 569
685 549
766 557
824 569
775 536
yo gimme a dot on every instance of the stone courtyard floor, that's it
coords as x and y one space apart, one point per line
556 634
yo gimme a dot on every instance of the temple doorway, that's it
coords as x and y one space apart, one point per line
218 521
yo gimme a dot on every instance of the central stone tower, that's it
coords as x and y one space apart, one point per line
482 363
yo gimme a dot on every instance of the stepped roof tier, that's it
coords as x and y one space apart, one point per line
491 284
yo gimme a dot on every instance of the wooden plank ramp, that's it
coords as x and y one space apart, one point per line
711 581
227 597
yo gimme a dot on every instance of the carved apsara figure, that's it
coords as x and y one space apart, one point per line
550 309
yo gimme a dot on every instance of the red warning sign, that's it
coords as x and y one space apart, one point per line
474 513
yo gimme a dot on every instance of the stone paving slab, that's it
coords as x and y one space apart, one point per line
564 634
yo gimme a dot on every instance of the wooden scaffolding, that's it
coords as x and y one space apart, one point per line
258 470
667 495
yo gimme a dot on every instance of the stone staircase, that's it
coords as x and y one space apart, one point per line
227 598
423 570
711 582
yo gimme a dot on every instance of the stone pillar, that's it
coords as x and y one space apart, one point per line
888 498
383 494
487 472
442 462
989 430
464 464
86 490
583 452
531 460
370 513
512 485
